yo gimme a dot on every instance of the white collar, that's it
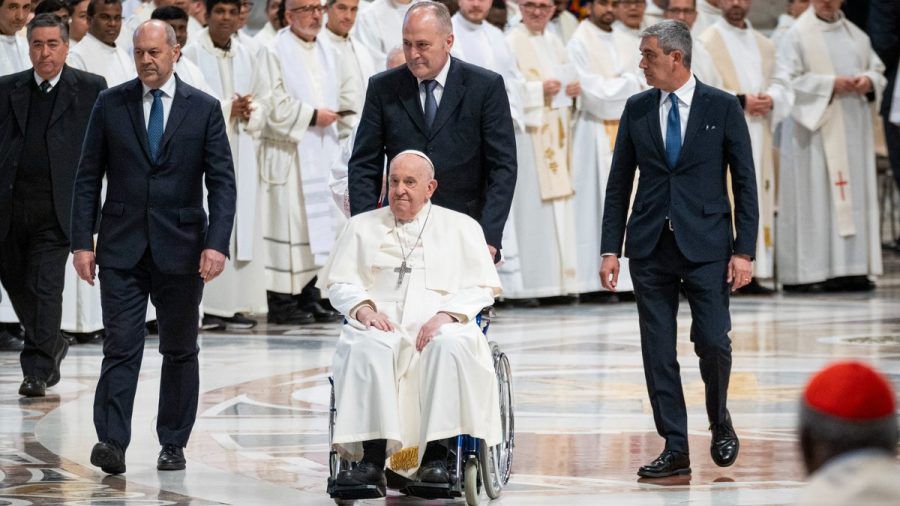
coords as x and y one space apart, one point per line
168 88
441 78
466 24
53 80
685 94
597 30
9 39
722 22
335 37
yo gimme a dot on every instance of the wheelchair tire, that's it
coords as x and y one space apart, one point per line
488 468
503 452
471 482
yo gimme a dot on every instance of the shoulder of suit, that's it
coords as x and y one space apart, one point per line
11 79
640 97
475 72
82 75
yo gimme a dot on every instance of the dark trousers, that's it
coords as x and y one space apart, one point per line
657 282
123 297
892 139
33 259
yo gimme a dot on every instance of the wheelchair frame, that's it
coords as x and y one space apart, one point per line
471 464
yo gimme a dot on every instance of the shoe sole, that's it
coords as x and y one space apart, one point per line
170 467
678 472
239 326
31 395
106 461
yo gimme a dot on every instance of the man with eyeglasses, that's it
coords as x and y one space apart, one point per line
544 200
702 64
745 58
341 19
629 21
380 25
602 57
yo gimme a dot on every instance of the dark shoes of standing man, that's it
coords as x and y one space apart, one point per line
110 458
33 386
723 449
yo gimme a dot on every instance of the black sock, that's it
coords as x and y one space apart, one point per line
435 450
374 452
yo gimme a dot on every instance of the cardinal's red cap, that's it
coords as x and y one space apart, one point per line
850 390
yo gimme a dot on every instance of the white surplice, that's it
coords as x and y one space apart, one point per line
707 15
13 54
241 286
111 62
266 35
605 87
542 207
409 397
745 59
828 220
563 26
360 63
380 28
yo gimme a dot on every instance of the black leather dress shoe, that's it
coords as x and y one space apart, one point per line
293 317
171 458
364 473
9 342
54 376
108 457
32 387
724 446
669 463
434 472
320 313
89 337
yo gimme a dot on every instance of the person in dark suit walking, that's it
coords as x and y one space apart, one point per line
456 113
44 112
684 136
154 239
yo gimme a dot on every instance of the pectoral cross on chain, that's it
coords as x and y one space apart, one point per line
401 271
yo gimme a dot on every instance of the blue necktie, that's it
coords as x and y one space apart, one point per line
430 102
673 133
155 126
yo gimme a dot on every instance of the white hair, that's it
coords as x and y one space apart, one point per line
415 152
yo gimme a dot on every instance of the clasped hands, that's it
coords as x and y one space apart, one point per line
757 104
242 106
371 318
552 87
212 263
845 85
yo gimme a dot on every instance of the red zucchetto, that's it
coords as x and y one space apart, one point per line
850 390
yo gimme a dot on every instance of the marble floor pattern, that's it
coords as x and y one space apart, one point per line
582 416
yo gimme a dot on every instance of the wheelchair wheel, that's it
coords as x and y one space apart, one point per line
336 464
497 460
471 483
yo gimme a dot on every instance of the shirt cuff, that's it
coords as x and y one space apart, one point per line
366 303
609 255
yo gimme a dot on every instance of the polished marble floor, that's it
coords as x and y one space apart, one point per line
582 416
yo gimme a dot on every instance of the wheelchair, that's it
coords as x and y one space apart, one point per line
471 463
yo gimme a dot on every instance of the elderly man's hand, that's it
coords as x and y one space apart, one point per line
740 271
431 327
85 265
370 318
212 263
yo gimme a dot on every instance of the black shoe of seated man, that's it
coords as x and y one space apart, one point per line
434 471
9 342
725 445
171 458
33 387
669 463
109 457
240 321
365 473
55 376
212 323
320 313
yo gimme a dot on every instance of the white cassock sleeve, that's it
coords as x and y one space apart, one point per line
347 298
288 119
811 92
467 303
601 96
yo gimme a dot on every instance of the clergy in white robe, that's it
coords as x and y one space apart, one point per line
708 12
543 202
236 78
412 366
100 51
380 27
563 23
361 64
599 54
266 35
828 221
787 19
702 64
13 47
630 15
745 58
655 12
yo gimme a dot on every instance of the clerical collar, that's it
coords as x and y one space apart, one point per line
207 43
441 78
598 29
618 25
108 47
335 37
305 43
53 80
837 17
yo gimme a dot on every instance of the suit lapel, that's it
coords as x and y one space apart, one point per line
450 98
409 96
653 123
176 114
65 96
135 104
21 98
697 116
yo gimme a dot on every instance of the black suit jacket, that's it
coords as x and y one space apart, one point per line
693 194
155 205
472 142
884 30
65 132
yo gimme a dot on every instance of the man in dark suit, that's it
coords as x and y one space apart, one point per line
153 235
456 113
680 233
44 112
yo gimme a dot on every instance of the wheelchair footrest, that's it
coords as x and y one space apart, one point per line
426 490
354 492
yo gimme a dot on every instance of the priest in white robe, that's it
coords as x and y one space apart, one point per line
542 206
361 64
99 52
745 58
627 28
236 79
13 47
708 12
600 55
380 27
412 367
828 220
563 23
702 65
787 19
266 35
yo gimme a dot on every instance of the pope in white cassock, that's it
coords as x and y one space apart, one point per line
603 57
412 367
828 221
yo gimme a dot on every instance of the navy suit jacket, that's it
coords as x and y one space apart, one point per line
65 132
471 143
154 205
693 194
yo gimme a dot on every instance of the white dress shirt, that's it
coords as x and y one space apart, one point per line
685 95
168 95
441 79
53 80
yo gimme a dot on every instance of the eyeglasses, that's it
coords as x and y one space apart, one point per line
687 11
309 9
537 7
